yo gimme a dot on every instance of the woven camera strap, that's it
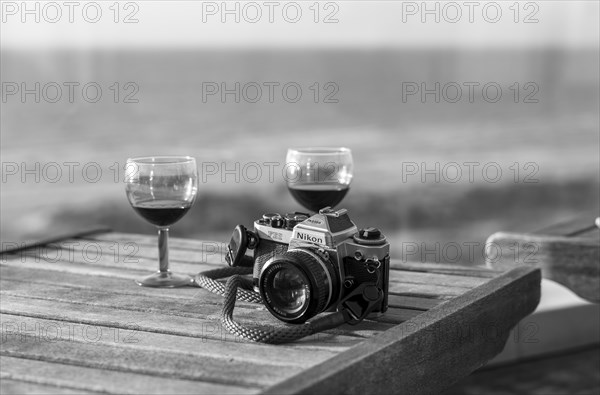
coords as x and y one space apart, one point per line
240 287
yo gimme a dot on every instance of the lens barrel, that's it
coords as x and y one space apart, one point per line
298 285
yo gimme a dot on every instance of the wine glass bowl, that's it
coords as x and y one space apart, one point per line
318 177
161 190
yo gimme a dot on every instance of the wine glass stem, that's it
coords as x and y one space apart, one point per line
163 249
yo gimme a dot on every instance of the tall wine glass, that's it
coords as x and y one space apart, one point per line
319 177
162 189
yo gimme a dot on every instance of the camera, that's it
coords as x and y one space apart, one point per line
304 264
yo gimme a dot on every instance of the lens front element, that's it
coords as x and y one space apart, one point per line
289 289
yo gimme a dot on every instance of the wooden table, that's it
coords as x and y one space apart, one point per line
73 321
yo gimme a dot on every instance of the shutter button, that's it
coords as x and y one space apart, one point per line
370 233
369 236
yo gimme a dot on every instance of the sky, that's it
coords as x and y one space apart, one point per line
268 24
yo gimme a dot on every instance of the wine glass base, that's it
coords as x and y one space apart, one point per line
165 280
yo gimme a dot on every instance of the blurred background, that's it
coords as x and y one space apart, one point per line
463 120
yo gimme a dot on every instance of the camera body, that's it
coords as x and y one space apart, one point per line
319 259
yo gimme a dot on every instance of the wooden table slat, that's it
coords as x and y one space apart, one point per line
148 362
413 302
31 385
58 378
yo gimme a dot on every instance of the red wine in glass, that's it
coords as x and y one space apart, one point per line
162 212
319 177
316 196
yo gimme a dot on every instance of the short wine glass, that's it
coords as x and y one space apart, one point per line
319 177
162 189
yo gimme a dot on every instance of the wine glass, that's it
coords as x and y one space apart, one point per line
319 177
162 189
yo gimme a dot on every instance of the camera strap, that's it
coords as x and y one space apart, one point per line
351 310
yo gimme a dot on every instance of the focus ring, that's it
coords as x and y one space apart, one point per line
316 273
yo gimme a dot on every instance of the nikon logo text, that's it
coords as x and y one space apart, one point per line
311 238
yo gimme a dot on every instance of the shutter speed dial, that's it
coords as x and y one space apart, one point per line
274 220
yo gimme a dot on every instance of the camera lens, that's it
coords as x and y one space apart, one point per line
298 285
288 289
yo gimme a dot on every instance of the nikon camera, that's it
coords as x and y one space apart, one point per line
304 265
